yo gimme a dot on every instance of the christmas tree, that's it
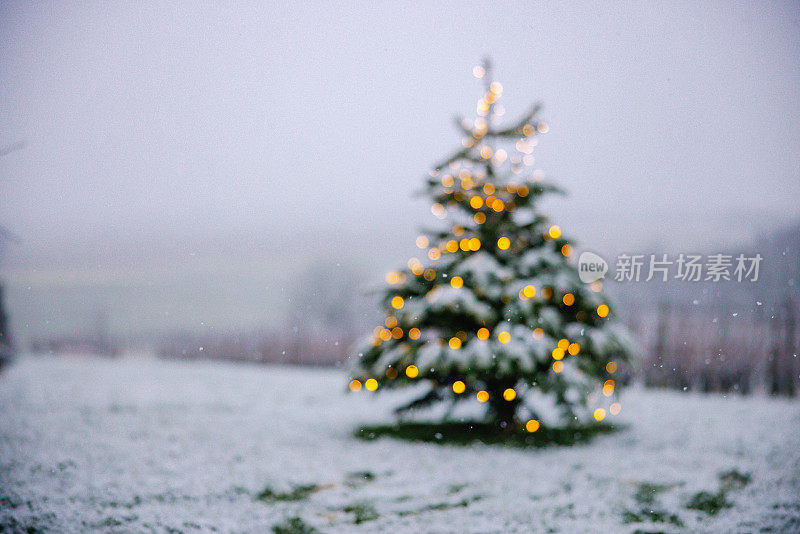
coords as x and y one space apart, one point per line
494 310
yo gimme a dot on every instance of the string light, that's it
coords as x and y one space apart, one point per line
602 310
558 366
573 348
504 337
483 333
509 394
599 414
397 302
454 343
371 384
456 282
459 387
412 371
554 232
414 333
532 426
482 396
503 243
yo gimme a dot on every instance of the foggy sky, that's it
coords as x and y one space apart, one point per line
156 134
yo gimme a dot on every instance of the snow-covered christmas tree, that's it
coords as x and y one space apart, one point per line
495 308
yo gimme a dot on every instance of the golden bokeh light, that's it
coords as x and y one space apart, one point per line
422 242
554 232
599 414
474 244
414 333
412 371
509 394
574 348
538 333
482 396
563 344
459 387
602 310
611 368
476 202
397 302
456 282
503 243
532 426
504 337
371 384
568 299
483 333
479 218
454 343
557 353
355 385
558 366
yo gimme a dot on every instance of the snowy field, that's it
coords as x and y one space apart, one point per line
141 445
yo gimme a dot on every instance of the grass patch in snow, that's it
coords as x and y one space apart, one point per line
469 432
713 502
297 493
362 512
294 525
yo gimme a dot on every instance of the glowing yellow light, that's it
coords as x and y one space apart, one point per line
523 191
459 387
503 243
464 244
371 384
558 366
476 202
498 205
538 333
558 353
611 368
615 408
456 282
391 373
385 334
452 246
509 394
422 242
566 250
532 426
412 371
479 218
608 388
528 130
397 332
397 302
574 348
488 189
458 230
429 275
483 333
569 299
599 414
474 244
414 333
563 344
434 254
554 232
391 321
547 292
454 343
529 291
486 152
496 88
602 310
355 385
503 337
482 396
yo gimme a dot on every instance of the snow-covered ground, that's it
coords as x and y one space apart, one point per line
146 445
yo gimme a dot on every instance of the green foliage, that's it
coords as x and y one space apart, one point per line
468 433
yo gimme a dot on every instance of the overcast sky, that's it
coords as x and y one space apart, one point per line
162 131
